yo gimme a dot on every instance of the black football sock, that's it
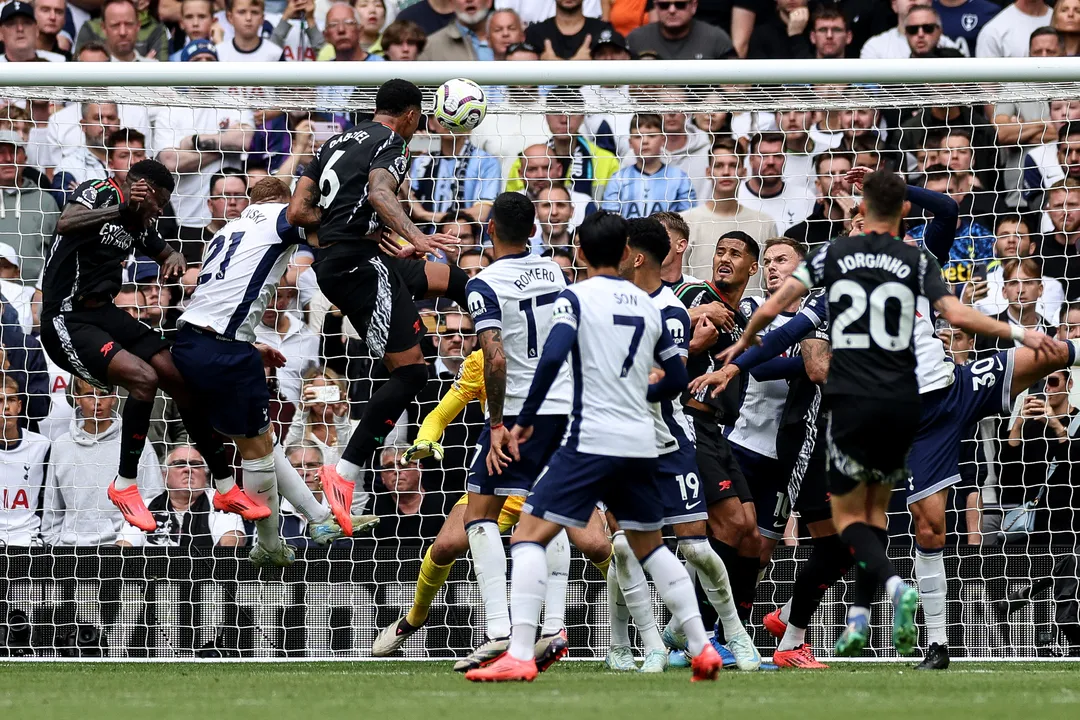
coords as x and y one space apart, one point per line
135 424
744 589
828 562
873 567
382 412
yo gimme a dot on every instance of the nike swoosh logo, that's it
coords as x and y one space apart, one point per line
262 492
691 506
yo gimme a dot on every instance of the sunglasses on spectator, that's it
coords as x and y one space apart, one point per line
673 5
927 28
521 47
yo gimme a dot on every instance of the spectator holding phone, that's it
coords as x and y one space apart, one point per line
323 418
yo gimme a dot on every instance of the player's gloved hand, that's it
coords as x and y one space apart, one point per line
424 449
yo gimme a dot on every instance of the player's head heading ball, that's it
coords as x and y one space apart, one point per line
512 220
649 237
885 197
401 100
154 173
602 238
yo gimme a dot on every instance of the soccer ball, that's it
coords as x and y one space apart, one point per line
460 105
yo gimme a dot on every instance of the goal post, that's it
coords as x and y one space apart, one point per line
992 133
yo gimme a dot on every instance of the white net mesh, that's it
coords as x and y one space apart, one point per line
764 159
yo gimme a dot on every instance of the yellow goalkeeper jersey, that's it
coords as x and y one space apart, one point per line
468 386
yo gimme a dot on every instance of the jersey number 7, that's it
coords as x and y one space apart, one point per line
638 323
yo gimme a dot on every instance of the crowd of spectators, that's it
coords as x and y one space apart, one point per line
1013 169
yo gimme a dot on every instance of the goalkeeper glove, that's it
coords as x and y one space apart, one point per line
423 449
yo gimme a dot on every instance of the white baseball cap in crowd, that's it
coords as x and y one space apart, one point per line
8 253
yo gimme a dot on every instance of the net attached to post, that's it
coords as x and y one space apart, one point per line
759 147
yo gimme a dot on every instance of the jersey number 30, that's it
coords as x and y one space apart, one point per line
904 302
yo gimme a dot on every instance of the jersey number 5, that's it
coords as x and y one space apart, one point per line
879 331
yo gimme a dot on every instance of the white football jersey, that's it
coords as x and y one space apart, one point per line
241 269
933 369
759 415
516 294
672 427
22 476
620 335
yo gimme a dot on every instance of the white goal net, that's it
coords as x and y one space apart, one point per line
757 147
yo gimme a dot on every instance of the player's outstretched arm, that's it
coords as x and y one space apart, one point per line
974 322
382 194
172 263
304 210
789 292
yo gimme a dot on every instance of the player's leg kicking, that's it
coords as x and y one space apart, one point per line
981 389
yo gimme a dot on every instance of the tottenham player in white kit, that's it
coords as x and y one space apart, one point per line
216 353
510 302
612 334
679 482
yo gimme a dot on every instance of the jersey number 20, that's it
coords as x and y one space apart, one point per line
904 301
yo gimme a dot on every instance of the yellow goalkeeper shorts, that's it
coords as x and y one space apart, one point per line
510 513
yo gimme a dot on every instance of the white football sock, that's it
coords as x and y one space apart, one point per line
620 614
349 471
558 565
293 488
930 572
856 611
260 485
674 586
785 612
224 485
489 563
714 581
793 638
635 588
123 483
527 589
892 584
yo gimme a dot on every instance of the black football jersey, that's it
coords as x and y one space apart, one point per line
341 169
727 403
872 282
91 263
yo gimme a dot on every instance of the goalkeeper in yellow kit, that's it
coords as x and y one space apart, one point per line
451 542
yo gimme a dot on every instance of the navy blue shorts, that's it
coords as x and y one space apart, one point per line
680 486
227 379
979 390
518 477
573 482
